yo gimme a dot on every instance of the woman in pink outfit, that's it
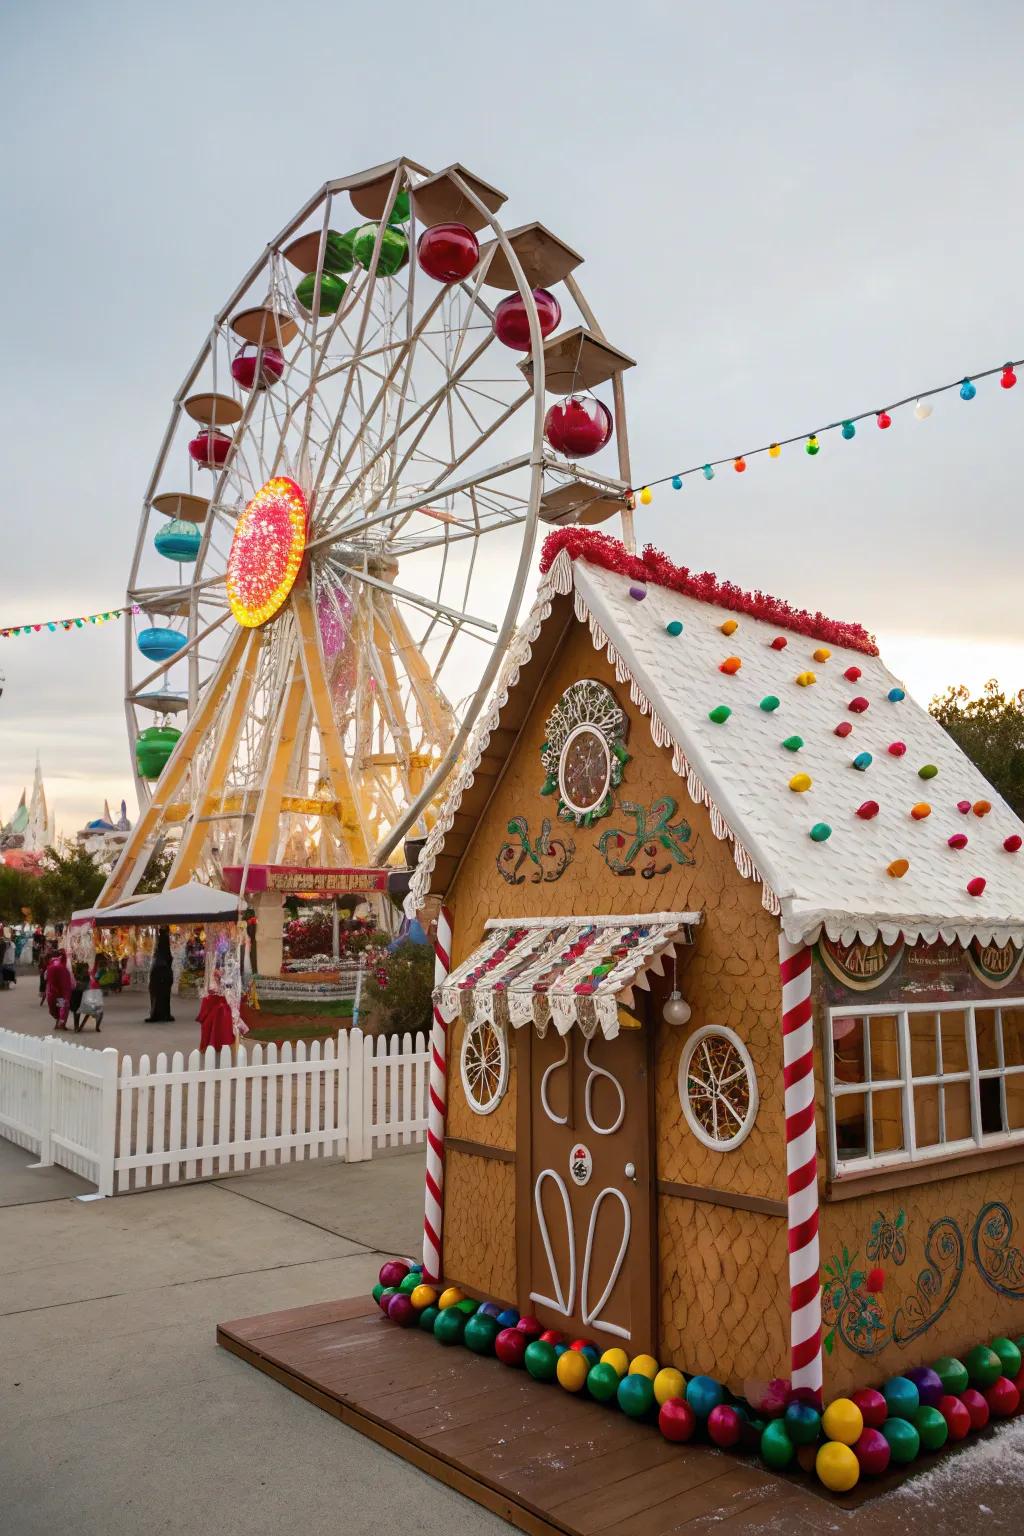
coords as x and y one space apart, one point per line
59 986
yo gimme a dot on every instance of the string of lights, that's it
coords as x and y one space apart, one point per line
78 622
845 425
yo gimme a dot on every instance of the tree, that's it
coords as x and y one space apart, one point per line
154 876
18 891
990 729
70 882
404 999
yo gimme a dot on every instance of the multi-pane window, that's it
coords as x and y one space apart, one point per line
922 1081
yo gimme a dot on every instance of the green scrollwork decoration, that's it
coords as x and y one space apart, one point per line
849 1310
937 1283
1000 1263
624 852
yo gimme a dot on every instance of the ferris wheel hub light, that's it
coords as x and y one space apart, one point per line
266 552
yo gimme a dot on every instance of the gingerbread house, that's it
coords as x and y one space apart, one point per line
730 1048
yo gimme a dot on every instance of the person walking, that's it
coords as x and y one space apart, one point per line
8 962
161 979
92 1002
59 987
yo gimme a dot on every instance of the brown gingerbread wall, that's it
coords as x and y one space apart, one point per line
723 1288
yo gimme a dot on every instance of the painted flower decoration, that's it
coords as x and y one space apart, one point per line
875 1281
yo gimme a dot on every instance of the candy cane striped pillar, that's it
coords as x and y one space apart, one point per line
432 1208
801 1168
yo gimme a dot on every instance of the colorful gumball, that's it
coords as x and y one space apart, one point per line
668 1383
777 1449
602 1382
580 1344
872 1406
490 1308
1002 1397
450 1325
572 1370
928 1384
984 1366
803 1422
423 1296
393 1273
837 1467
480 1333
1009 1356
724 1426
872 1452
385 1296
676 1420
512 323
540 1360
953 1375
377 1292
958 1420
644 1365
508 1318
401 1310
531 1327
552 1336
635 1395
618 1359
450 1298
903 1439
561 1349
590 1354
409 1284
843 1421
428 1318
468 1306
703 1393
901 1397
976 1406
448 252
510 1345
931 1426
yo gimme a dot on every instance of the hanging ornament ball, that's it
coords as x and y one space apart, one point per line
480 1334
531 1326
244 367
952 1373
603 1382
448 252
774 450
837 1467
903 1440
820 832
884 420
578 426
645 496
674 627
976 1406
512 322
848 430
401 1310
896 695
872 1452
769 703
976 886
617 1359
922 410
677 482
1009 1356
901 1397
423 1296
897 869
803 1422
1007 378
668 1383
394 249
931 1426
704 1393
708 472
777 1449
450 1325
928 1383
510 1346
921 811
540 1360
410 1283
720 714
958 1420
843 728
637 592
812 446
428 1317
393 1272
332 291
676 1420
968 390
872 1405
868 810
800 783
676 1011
572 1370
739 465
1012 843
635 1396
450 1298
1003 1398
724 1426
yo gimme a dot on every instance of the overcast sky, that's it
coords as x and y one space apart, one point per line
788 212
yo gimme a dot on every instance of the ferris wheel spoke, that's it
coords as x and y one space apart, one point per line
417 599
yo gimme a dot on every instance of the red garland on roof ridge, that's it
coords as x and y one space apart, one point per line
655 567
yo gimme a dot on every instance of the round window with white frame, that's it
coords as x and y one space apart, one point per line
483 1065
584 770
718 1087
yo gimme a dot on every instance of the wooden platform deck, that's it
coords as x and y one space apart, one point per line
544 1460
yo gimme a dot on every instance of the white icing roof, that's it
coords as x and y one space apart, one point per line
741 770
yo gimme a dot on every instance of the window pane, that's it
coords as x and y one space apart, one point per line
954 1042
958 1111
922 1044
851 1136
927 1101
1013 1036
887 1118
987 1037
848 1050
1015 1101
885 1056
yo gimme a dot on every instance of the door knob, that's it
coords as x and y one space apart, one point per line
630 1171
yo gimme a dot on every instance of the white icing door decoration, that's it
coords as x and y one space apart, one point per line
592 1315
561 1062
563 1304
596 1071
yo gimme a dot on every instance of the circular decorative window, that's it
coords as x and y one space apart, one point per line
483 1064
584 770
718 1087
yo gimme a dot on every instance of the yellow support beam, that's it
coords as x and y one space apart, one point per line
270 804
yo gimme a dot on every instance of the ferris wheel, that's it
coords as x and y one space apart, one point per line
337 535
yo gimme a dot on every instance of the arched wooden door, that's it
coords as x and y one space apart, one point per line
585 1238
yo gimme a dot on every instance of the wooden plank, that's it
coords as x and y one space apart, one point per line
478 1149
705 1194
291 1319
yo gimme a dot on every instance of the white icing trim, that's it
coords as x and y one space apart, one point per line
596 1071
589 1314
560 1305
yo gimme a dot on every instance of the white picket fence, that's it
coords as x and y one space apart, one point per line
174 1120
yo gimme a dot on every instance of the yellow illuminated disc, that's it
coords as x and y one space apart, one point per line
266 552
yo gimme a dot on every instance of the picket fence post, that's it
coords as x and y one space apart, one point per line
108 1120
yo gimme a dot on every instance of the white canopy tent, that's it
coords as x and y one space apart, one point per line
190 903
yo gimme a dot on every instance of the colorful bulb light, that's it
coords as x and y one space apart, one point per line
968 390
812 446
774 450
266 552
709 473
849 430
1007 378
739 465
884 420
645 496
922 410
677 482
